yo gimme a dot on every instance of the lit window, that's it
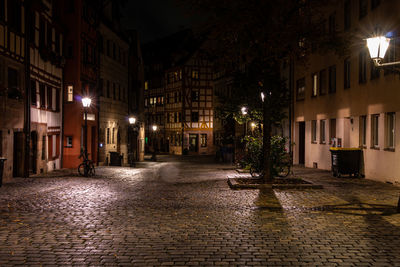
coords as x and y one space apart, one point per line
146 85
390 130
375 130
322 131
203 140
70 91
195 74
313 131
363 131
315 84
69 141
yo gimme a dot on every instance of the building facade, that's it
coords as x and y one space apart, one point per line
81 75
178 97
12 87
46 83
114 85
346 101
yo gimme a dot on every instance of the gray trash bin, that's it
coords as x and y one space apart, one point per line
2 160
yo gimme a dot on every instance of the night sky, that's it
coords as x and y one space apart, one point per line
155 18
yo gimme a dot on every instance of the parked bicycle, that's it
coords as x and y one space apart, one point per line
86 168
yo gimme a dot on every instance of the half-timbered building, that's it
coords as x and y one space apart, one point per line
180 96
12 84
46 62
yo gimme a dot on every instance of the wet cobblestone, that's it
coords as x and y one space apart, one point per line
181 212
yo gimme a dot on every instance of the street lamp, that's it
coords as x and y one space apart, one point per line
377 47
154 156
132 121
86 101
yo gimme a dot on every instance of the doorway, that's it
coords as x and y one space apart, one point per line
302 142
193 142
18 158
33 152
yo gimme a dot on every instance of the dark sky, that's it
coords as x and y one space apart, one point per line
155 18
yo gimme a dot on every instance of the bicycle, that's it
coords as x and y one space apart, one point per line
282 167
86 168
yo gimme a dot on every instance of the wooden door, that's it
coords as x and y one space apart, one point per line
302 142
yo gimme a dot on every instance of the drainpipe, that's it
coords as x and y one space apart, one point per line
27 113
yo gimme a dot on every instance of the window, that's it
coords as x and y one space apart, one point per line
332 79
33 93
119 92
314 78
363 8
12 78
42 33
1 143
57 99
322 82
146 85
375 3
49 97
203 140
362 67
195 74
43 147
390 130
58 43
322 128
108 135
363 131
347 15
195 117
112 136
70 93
374 130
114 93
332 24
346 77
301 88
69 141
313 131
49 36
14 16
2 11
375 72
195 96
332 130
108 47
42 93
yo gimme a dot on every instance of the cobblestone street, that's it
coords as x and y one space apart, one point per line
181 212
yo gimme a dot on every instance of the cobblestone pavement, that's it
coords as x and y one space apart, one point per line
181 212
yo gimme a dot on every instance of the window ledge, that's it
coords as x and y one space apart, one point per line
314 142
363 147
375 148
390 149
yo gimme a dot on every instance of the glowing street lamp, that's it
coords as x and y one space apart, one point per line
377 47
132 120
86 101
154 156
244 110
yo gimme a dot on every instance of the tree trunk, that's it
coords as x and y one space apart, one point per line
266 143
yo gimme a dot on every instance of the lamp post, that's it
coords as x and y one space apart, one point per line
244 113
86 101
132 121
154 156
377 47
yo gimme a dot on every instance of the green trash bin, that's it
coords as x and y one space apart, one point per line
346 161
